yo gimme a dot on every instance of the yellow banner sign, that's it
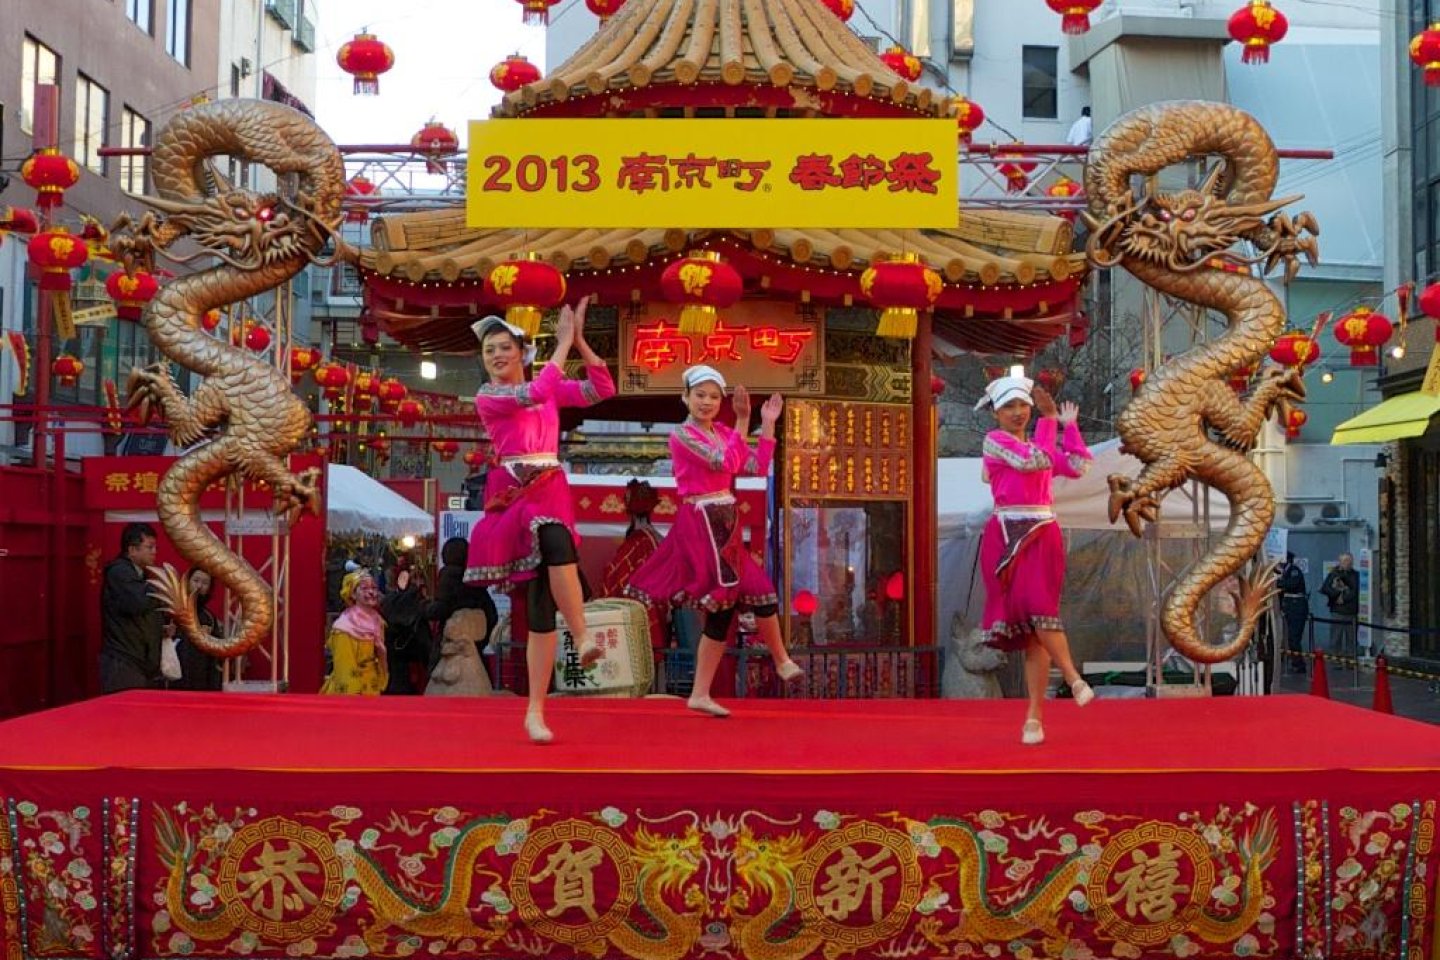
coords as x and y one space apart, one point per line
712 173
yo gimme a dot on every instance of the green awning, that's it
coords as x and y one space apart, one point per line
1407 415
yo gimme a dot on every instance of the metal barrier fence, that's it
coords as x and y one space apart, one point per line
1349 653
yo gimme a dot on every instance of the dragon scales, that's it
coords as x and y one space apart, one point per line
243 419
1185 422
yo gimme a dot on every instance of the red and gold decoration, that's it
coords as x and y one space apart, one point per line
20 349
844 9
1075 14
367 385
526 287
1364 331
1065 189
474 458
251 334
841 448
1295 349
210 320
1137 379
358 191
1295 419
438 142
18 220
446 449
704 284
1049 378
410 411
537 12
604 9
904 63
68 369
1425 53
50 173
56 252
1016 170
1259 26
391 393
968 117
1239 380
114 415
512 73
365 58
131 292
380 446
900 287
333 378
302 361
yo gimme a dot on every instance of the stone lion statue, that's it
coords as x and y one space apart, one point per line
971 665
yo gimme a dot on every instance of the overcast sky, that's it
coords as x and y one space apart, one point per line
444 50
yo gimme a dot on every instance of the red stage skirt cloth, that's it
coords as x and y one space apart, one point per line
166 825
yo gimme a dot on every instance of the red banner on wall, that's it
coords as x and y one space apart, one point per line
129 483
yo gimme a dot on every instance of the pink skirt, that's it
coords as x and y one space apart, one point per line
1023 579
505 544
702 563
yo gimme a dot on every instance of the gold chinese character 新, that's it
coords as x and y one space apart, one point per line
851 881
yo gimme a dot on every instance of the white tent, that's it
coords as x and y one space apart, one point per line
355 503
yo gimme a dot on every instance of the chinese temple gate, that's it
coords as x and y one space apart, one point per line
854 476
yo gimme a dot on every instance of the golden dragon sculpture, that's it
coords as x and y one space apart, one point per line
1185 422
244 409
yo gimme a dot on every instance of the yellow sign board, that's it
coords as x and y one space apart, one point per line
715 174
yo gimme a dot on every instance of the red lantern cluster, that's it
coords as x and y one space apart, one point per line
1364 331
365 58
968 117
1295 349
526 287
302 361
1016 170
446 450
56 252
50 174
67 369
1075 14
537 11
333 379
1295 419
1425 53
604 9
704 284
844 9
900 286
131 292
1258 26
358 191
512 73
903 62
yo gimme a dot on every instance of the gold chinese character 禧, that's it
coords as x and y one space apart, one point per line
1148 887
850 880
274 887
574 874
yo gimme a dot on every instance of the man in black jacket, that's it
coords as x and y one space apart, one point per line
1342 592
1295 608
131 622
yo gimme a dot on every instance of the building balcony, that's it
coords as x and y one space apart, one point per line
282 12
304 36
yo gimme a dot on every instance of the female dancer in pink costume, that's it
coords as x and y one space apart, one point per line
1022 553
528 532
703 562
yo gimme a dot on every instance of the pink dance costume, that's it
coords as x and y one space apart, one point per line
703 563
528 489
1022 552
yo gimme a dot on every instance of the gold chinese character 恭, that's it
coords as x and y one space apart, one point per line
574 873
274 887
1149 885
117 482
850 881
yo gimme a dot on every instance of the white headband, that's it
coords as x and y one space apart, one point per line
481 327
695 376
1002 391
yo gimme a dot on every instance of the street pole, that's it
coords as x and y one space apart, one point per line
46 120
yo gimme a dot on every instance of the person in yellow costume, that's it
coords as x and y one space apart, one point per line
357 641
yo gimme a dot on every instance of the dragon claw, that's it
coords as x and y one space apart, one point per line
298 494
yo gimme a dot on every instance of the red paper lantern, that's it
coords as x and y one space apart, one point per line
67 369
902 62
844 9
257 337
437 140
968 117
1430 305
50 174
365 58
210 320
1295 419
537 11
513 72
446 450
806 603
1295 349
18 220
705 284
526 287
900 286
996 372
1425 53
56 252
1075 14
381 447
333 378
1258 26
895 586
1016 170
604 9
366 386
410 412
1137 377
131 292
390 392
358 191
1364 331
474 458
1065 189
302 360
1051 380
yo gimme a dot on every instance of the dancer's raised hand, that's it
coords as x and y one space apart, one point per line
770 412
1069 412
740 402
1044 403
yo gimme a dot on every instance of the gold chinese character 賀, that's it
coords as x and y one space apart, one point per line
574 874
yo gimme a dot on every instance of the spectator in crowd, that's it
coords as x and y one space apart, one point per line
132 625
198 669
1295 607
1342 595
1081 131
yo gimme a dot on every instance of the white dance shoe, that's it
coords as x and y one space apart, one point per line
535 727
707 706
1032 733
1082 693
789 670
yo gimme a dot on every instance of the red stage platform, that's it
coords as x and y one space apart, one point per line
160 825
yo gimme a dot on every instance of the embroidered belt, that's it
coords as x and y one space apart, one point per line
532 459
1025 513
706 499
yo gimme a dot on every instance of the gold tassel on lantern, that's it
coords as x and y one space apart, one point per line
698 318
525 317
898 322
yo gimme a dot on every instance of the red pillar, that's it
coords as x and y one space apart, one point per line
922 501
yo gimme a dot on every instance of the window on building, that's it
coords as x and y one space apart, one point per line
234 79
141 13
38 64
134 132
1039 83
92 117
177 30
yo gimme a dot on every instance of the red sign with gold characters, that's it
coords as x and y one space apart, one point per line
129 483
750 345
847 451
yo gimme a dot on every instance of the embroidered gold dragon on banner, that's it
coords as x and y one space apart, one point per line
1186 422
244 409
